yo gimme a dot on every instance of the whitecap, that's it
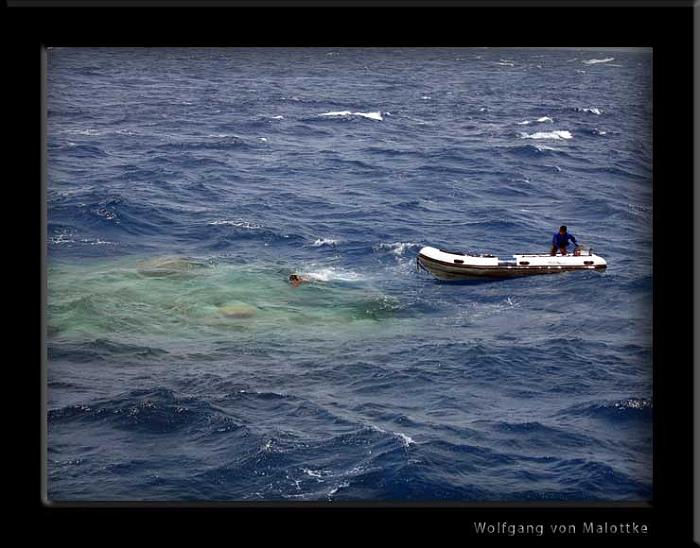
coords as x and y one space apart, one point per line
325 241
596 61
541 120
312 473
376 115
405 440
397 248
218 136
557 135
329 274
83 132
592 110
96 241
61 239
277 117
263 139
335 489
238 223
542 148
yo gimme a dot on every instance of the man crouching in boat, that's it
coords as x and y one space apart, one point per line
560 241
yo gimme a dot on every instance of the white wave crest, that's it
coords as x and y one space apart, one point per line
324 241
312 473
397 248
592 110
277 118
596 61
557 135
329 274
405 440
238 223
83 132
541 120
333 491
377 115
223 136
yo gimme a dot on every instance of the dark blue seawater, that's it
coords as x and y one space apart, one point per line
185 185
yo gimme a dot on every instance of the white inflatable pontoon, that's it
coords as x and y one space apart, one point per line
449 265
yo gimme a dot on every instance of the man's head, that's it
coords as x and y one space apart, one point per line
562 229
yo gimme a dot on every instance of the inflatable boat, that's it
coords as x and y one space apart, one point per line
450 265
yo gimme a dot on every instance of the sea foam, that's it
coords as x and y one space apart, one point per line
596 61
238 223
330 274
377 115
592 110
557 135
541 120
325 241
397 248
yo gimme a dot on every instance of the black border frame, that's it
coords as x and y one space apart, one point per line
668 30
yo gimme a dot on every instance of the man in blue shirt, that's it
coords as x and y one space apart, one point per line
561 239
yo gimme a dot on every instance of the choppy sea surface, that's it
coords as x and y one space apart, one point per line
186 185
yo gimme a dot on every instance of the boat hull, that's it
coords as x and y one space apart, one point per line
446 269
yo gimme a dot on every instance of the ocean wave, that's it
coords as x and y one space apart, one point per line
330 274
99 349
615 410
397 248
238 223
534 150
542 120
556 135
62 239
325 241
405 440
376 115
597 61
592 110
156 411
91 132
86 151
594 478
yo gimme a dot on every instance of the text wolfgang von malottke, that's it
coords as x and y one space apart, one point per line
504 528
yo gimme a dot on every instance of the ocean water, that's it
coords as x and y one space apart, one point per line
186 185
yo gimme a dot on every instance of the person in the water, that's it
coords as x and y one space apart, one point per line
296 280
560 241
